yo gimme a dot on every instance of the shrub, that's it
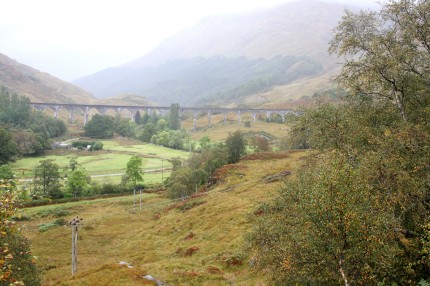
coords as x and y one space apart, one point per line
24 269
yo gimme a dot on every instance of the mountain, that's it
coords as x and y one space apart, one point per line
227 59
39 86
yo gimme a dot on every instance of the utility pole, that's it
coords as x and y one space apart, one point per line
74 223
134 199
140 197
162 170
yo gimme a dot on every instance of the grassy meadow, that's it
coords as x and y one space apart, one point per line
199 241
109 164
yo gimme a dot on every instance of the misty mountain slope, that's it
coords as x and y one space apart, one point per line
215 80
301 28
223 59
39 86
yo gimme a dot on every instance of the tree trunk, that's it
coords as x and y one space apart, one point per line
342 272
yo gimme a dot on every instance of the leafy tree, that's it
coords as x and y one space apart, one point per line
145 118
235 144
124 126
180 183
176 139
327 227
31 129
73 163
204 141
8 149
100 126
138 118
145 132
28 142
6 172
174 119
77 182
134 170
387 54
162 125
16 265
46 176
176 163
261 144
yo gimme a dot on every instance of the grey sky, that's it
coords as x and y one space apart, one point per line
74 38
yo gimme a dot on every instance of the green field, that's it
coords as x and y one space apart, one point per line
109 164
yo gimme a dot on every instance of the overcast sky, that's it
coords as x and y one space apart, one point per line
74 38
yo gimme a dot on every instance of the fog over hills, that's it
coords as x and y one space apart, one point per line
224 60
301 28
39 86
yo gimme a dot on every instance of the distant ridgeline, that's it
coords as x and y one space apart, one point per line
24 132
200 81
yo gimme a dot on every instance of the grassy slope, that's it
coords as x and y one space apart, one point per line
157 238
219 132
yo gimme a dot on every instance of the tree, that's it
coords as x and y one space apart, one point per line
134 170
28 142
16 263
100 126
138 118
124 126
46 177
387 54
174 119
204 141
180 184
261 144
6 173
327 227
77 182
145 132
8 149
73 163
236 148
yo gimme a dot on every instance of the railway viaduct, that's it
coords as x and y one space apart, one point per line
102 109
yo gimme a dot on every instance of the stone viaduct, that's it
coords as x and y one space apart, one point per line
102 109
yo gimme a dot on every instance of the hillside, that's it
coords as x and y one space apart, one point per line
199 241
125 99
224 60
39 86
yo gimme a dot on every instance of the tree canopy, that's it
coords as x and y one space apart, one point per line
100 126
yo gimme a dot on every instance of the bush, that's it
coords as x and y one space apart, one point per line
24 269
94 146
110 189
46 226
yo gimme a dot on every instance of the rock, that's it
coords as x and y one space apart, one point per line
126 264
151 278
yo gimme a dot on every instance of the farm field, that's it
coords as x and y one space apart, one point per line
199 241
109 164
